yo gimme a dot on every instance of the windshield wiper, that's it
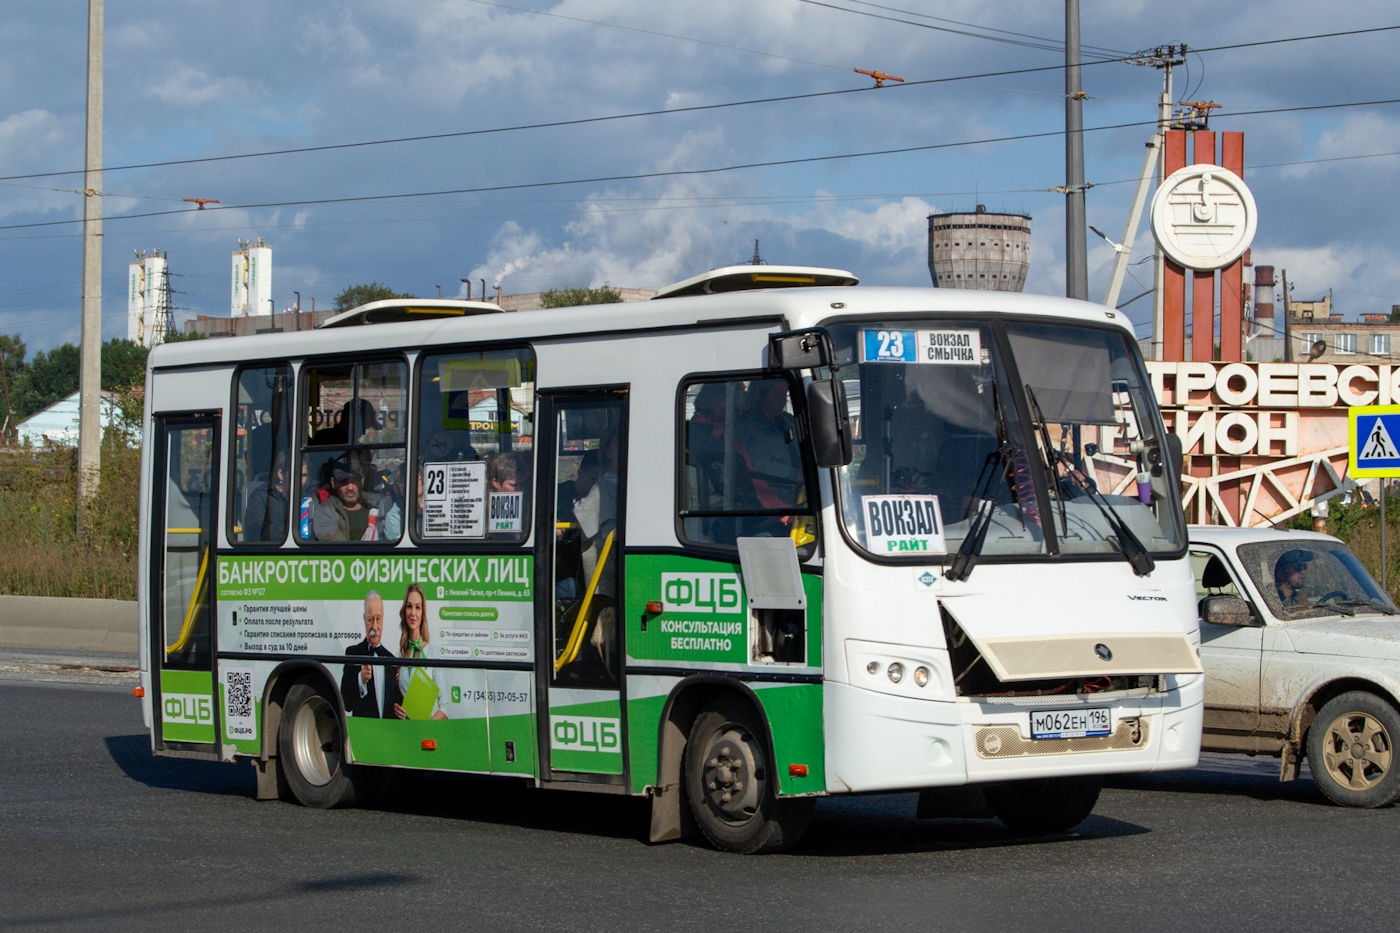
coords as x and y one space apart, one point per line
1128 544
1363 601
993 467
967 555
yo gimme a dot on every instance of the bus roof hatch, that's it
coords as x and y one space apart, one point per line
395 310
748 277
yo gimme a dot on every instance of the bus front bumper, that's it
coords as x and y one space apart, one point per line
876 741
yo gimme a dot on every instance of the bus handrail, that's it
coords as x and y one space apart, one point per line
575 642
189 613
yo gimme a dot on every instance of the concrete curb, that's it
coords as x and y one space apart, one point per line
48 622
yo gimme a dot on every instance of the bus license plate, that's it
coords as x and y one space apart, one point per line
1069 723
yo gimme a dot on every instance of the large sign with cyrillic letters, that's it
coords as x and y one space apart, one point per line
1279 410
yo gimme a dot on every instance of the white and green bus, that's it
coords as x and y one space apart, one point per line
764 538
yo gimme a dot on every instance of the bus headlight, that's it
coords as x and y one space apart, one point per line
921 676
896 672
872 668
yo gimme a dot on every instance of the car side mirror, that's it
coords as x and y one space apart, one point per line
1228 610
830 422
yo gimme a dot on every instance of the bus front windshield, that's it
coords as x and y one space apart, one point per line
1054 450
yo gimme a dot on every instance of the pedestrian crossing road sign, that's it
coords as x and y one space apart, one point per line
1375 432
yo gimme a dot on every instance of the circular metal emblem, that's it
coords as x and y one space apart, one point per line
1203 216
1103 652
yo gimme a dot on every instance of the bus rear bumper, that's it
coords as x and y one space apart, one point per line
879 742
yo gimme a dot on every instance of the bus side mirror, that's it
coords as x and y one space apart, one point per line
800 349
1176 456
830 422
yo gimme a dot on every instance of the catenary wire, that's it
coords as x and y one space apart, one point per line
674 173
676 110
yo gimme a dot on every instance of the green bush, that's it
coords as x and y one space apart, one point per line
45 554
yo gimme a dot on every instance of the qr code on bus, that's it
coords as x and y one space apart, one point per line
239 693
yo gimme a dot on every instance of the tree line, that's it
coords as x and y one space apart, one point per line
29 385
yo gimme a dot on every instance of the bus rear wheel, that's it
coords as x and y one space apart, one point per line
1043 805
731 785
310 744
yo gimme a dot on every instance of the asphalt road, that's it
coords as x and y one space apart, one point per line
97 834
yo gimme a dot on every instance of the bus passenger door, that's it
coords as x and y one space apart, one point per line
579 609
184 487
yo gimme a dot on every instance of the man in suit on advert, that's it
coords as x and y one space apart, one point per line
370 689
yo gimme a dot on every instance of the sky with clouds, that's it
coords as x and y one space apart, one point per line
193 79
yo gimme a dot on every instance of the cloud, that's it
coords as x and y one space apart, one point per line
1313 270
187 86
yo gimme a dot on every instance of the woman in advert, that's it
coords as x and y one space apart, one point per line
422 699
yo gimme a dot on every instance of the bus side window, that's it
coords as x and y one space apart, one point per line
741 470
261 463
475 432
353 463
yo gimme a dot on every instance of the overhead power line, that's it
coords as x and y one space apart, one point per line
696 108
674 173
1048 45
656 204
1057 44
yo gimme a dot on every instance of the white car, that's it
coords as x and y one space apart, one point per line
1301 649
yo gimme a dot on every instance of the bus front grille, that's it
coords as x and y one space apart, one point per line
1035 657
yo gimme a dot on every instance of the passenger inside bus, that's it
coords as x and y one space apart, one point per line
504 473
391 506
345 515
586 509
345 430
265 517
768 439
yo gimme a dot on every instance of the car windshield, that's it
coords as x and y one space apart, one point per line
941 437
1308 578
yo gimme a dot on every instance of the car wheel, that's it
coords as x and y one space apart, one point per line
310 745
1043 805
1351 749
731 785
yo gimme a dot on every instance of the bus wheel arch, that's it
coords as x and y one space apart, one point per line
671 813
272 774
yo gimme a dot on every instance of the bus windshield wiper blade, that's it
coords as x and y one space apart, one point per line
971 549
1132 548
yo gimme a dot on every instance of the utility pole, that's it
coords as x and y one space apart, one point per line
1287 324
1163 58
1076 246
90 345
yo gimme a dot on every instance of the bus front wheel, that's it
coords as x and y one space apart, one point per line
310 745
731 784
1043 805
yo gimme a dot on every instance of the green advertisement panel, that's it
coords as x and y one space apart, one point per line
585 731
187 706
372 609
240 692
705 618
793 713
477 607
